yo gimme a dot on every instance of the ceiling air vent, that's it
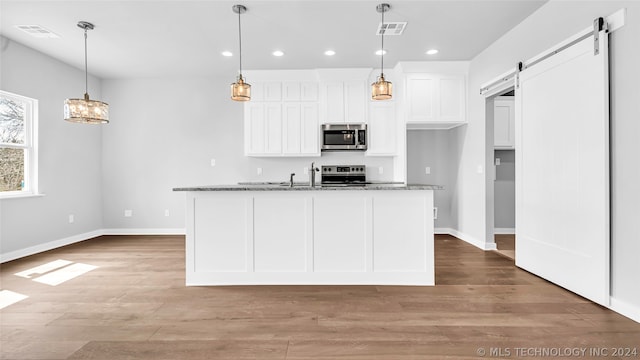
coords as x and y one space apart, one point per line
391 28
38 31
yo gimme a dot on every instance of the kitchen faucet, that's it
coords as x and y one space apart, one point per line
312 174
291 179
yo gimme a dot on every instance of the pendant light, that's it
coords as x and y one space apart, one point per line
240 90
84 110
382 89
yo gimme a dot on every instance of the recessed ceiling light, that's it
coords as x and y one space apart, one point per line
278 53
381 52
329 52
432 51
227 53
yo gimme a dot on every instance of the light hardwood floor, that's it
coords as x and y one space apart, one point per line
135 306
506 245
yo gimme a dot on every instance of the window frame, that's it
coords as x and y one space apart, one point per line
30 147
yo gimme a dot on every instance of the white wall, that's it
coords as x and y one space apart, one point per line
164 133
552 23
436 149
69 154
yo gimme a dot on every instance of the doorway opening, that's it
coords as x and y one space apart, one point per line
501 116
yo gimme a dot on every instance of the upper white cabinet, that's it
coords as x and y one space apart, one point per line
282 119
300 129
382 129
266 91
503 123
299 91
343 101
263 128
435 100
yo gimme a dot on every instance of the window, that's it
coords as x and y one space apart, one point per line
18 155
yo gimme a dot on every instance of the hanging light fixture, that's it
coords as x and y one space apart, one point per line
382 89
240 90
85 110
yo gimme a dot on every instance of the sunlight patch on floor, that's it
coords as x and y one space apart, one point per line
8 297
44 268
66 273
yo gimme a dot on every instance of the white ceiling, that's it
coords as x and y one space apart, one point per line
148 38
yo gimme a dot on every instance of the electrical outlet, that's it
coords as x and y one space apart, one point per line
259 171
427 170
128 213
166 212
71 219
213 162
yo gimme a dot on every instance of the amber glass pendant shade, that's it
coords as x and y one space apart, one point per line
240 90
381 89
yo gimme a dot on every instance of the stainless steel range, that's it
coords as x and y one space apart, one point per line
344 175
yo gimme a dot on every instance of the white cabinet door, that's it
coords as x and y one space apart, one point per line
504 123
355 102
436 98
300 129
291 128
263 128
451 95
382 129
309 91
309 129
291 91
273 124
332 102
420 98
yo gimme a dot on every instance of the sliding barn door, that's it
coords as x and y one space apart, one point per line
562 169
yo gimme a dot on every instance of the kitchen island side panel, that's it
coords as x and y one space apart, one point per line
310 238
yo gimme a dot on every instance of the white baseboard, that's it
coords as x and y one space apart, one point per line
443 231
48 246
82 237
466 238
160 231
625 309
504 231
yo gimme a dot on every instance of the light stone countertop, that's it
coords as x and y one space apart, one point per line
306 187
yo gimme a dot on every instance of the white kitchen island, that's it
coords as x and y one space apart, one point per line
268 235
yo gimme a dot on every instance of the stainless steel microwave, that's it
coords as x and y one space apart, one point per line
344 137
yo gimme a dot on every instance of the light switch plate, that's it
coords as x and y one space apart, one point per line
427 170
497 161
71 219
259 171
128 213
213 162
380 170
